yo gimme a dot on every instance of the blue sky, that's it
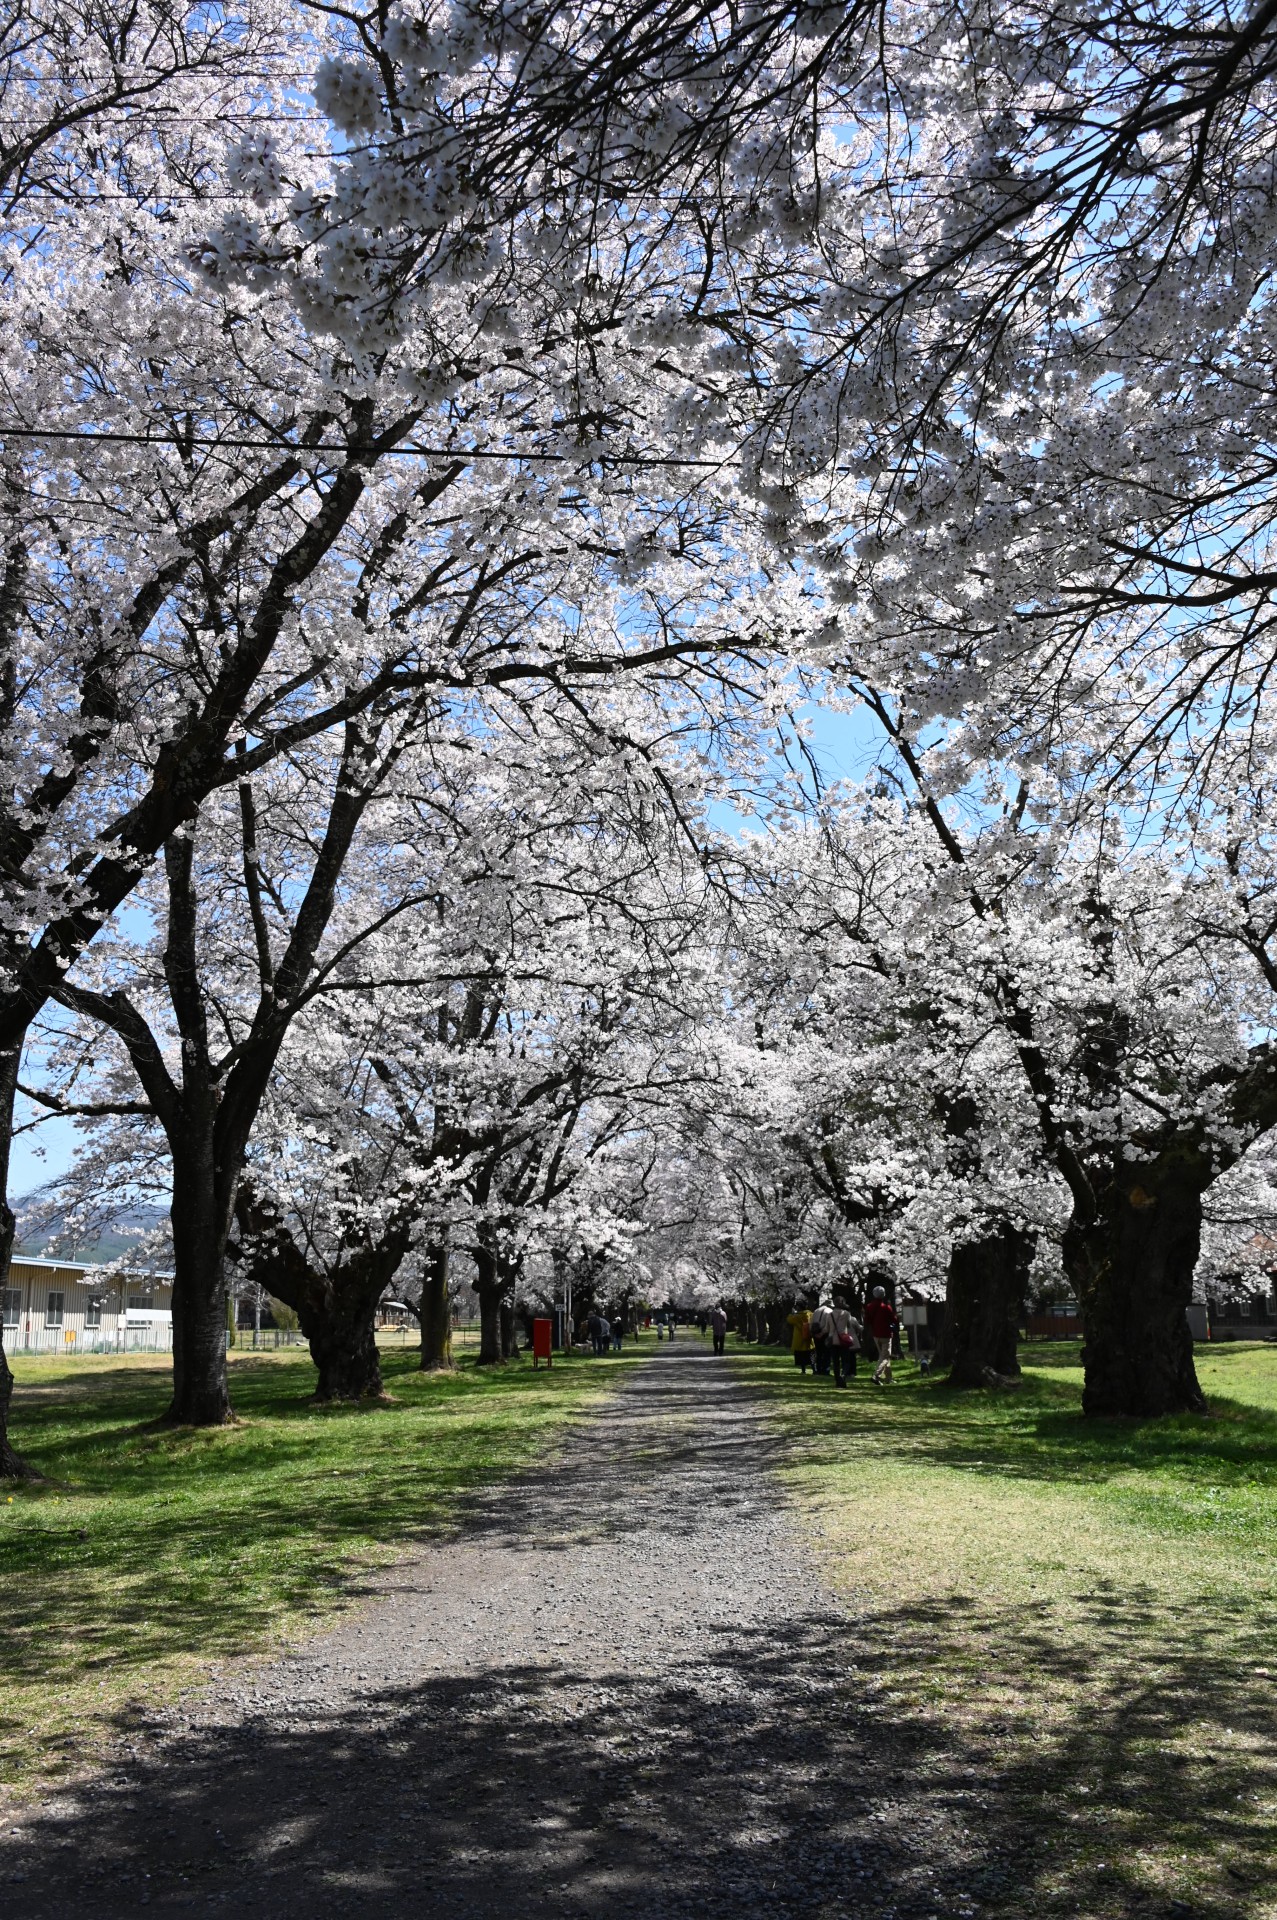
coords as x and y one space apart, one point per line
27 1170
847 745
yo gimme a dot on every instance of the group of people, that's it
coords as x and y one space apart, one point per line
605 1333
829 1338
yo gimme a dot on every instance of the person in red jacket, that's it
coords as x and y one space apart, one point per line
881 1321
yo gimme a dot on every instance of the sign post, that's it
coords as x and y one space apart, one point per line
913 1315
542 1338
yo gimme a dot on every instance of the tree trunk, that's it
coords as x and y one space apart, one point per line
775 1315
436 1315
1132 1271
986 1287
12 1466
489 1287
343 1345
509 1271
337 1306
201 1228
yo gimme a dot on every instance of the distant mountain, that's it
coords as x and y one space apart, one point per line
130 1225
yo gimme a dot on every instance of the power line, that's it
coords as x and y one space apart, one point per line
22 81
140 202
408 449
160 118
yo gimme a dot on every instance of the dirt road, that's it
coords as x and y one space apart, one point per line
620 1690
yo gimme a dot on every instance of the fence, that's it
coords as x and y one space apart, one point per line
157 1337
264 1339
153 1338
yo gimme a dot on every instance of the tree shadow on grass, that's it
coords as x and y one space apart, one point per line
734 1780
1135 1731
1037 1433
156 1545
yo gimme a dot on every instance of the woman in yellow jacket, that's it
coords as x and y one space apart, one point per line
800 1325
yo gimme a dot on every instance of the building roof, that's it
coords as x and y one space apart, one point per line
83 1266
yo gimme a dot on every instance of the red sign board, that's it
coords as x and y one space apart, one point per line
542 1333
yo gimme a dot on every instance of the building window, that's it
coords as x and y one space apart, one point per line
1243 1307
12 1306
53 1312
93 1314
141 1302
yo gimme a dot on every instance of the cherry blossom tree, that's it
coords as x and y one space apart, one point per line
365 366
477 936
230 527
977 1038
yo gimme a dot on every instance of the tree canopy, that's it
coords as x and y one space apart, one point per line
449 451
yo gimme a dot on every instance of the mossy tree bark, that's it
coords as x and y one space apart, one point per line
987 1280
342 1336
336 1304
203 1201
436 1312
1131 1266
489 1284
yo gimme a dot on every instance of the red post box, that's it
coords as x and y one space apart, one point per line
542 1331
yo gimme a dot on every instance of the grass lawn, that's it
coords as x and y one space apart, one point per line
1073 1622
148 1556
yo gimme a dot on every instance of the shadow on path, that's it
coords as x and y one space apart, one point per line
620 1690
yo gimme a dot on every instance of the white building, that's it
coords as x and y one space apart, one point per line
57 1306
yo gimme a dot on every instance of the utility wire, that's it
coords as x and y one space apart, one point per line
408 450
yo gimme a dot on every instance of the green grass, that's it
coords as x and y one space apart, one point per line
146 1555
1081 1615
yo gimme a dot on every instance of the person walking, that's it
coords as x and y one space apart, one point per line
718 1326
605 1334
822 1334
618 1333
846 1341
799 1323
882 1320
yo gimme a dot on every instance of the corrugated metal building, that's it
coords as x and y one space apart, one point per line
53 1306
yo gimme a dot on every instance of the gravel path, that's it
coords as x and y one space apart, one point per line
620 1691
